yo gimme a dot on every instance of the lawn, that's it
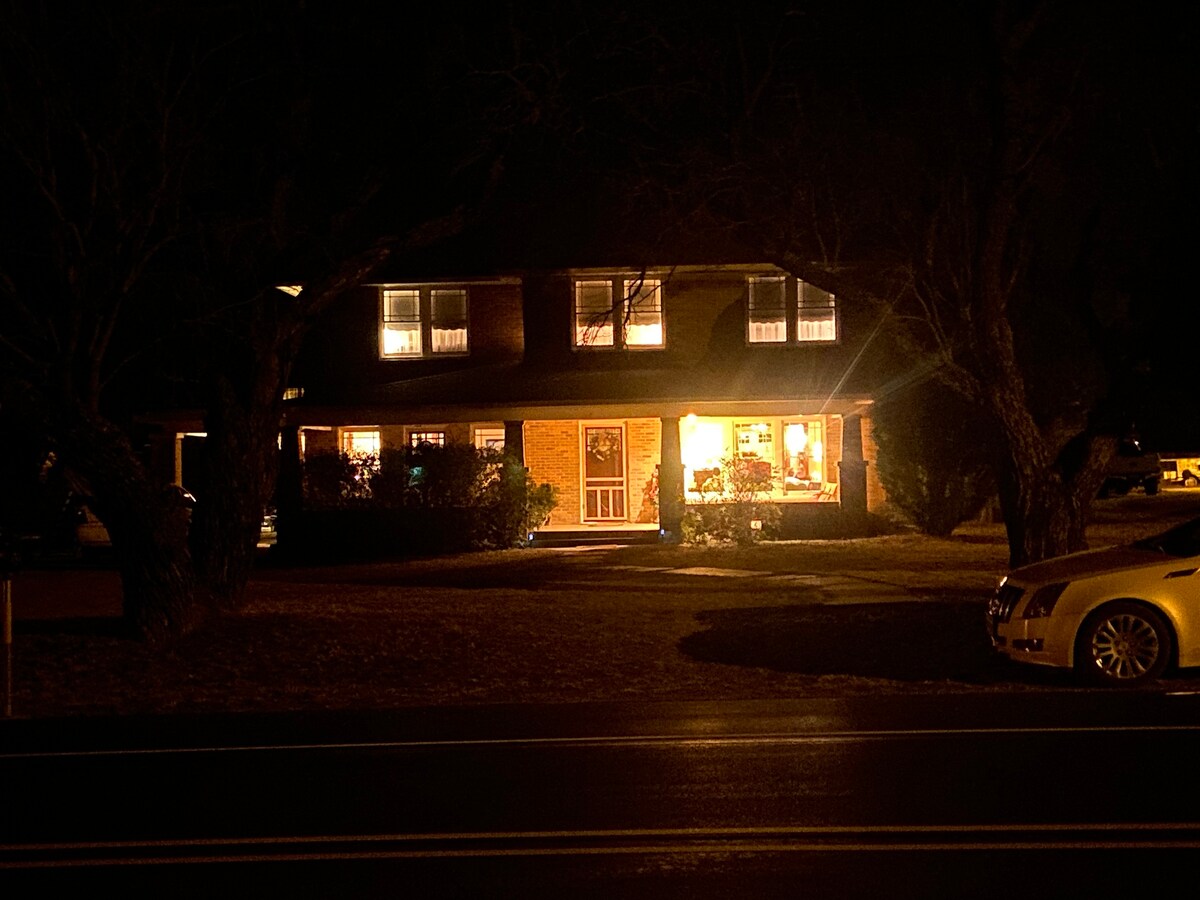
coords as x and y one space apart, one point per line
898 613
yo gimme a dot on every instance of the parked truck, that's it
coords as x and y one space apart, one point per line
1132 467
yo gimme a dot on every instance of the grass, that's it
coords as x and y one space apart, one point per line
898 613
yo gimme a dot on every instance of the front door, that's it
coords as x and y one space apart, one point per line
604 473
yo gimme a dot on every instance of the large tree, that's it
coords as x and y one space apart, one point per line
991 178
168 169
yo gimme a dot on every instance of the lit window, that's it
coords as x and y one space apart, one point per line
804 455
643 317
419 322
768 311
784 310
360 442
448 313
593 314
619 313
427 438
755 440
489 438
816 317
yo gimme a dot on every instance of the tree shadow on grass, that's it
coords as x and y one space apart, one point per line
911 641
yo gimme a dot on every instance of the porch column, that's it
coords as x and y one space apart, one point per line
289 493
853 469
670 480
177 469
514 441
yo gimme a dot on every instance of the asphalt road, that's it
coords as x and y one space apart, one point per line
925 796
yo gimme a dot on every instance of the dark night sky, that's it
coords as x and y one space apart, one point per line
572 98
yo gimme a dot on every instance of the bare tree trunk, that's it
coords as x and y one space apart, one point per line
240 462
147 523
1046 496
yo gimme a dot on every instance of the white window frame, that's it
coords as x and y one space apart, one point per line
432 342
810 314
488 438
612 326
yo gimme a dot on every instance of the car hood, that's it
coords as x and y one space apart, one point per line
1086 564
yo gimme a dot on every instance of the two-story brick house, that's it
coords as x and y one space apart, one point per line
623 388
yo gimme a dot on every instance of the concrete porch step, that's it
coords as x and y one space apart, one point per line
585 537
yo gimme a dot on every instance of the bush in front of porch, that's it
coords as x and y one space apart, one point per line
413 501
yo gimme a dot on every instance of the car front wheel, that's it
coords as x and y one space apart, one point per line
1123 644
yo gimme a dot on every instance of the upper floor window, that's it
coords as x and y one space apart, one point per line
423 321
783 310
619 313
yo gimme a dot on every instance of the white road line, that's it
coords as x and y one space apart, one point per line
871 838
616 740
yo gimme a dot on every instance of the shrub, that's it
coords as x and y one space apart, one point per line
482 498
337 481
934 457
735 505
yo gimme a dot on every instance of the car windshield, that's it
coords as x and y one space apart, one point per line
1182 540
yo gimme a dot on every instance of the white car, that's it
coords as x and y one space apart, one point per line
1119 616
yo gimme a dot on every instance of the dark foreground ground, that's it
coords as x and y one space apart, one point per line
900 613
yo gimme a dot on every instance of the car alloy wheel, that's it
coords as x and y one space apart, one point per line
1123 644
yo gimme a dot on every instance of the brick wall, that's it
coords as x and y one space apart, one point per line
643 439
552 454
552 457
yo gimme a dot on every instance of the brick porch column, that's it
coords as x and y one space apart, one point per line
670 480
853 469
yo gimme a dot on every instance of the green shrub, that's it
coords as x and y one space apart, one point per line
498 501
735 506
337 481
934 457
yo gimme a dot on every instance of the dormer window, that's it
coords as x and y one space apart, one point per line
421 321
783 310
619 313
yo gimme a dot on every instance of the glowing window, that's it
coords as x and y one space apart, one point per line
427 438
594 313
816 315
784 310
360 442
643 319
489 438
619 313
803 454
755 439
768 311
420 321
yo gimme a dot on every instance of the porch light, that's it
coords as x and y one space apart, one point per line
795 438
702 444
